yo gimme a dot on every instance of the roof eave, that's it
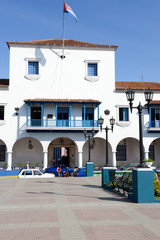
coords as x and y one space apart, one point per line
68 44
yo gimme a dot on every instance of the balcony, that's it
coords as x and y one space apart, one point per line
154 126
62 114
59 125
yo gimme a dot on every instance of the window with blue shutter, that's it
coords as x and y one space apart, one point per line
89 114
123 114
92 69
33 67
63 116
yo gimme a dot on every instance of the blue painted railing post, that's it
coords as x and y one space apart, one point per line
70 124
41 114
98 117
89 169
84 114
150 123
56 114
143 185
27 114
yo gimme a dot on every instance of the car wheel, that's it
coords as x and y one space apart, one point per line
72 174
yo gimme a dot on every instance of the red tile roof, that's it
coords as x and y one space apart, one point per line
62 100
58 42
137 85
155 102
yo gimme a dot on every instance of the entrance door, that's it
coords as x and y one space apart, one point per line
63 117
65 156
89 117
61 156
35 116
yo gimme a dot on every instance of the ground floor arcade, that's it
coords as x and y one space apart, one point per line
75 154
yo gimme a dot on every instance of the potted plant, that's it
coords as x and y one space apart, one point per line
38 165
148 162
4 165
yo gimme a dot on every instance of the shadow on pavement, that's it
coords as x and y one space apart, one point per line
113 198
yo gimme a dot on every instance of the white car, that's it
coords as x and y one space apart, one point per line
34 173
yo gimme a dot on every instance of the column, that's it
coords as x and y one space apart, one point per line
97 125
56 114
27 115
80 159
70 115
146 155
41 114
9 160
114 159
45 159
84 115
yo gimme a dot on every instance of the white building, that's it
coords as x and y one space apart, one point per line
49 101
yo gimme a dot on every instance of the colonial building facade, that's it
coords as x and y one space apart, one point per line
50 99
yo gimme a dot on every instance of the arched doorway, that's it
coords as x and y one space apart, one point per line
3 154
154 152
62 151
27 150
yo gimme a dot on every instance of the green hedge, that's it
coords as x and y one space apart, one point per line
157 188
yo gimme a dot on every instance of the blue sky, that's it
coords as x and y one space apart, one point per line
132 25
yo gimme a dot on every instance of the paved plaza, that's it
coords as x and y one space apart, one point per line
72 209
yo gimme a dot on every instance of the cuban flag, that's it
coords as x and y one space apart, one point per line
67 9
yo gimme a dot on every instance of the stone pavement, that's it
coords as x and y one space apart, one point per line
72 209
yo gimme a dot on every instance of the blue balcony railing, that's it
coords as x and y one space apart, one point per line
155 124
61 123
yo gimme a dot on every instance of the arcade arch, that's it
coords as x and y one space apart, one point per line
127 151
63 151
97 152
154 152
27 150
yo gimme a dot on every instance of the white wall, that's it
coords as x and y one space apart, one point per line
66 79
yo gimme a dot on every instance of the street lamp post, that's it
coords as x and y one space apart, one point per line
89 135
130 94
112 122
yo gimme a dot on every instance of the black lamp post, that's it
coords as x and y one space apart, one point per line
89 135
130 94
112 122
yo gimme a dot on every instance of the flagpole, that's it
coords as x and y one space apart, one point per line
63 35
